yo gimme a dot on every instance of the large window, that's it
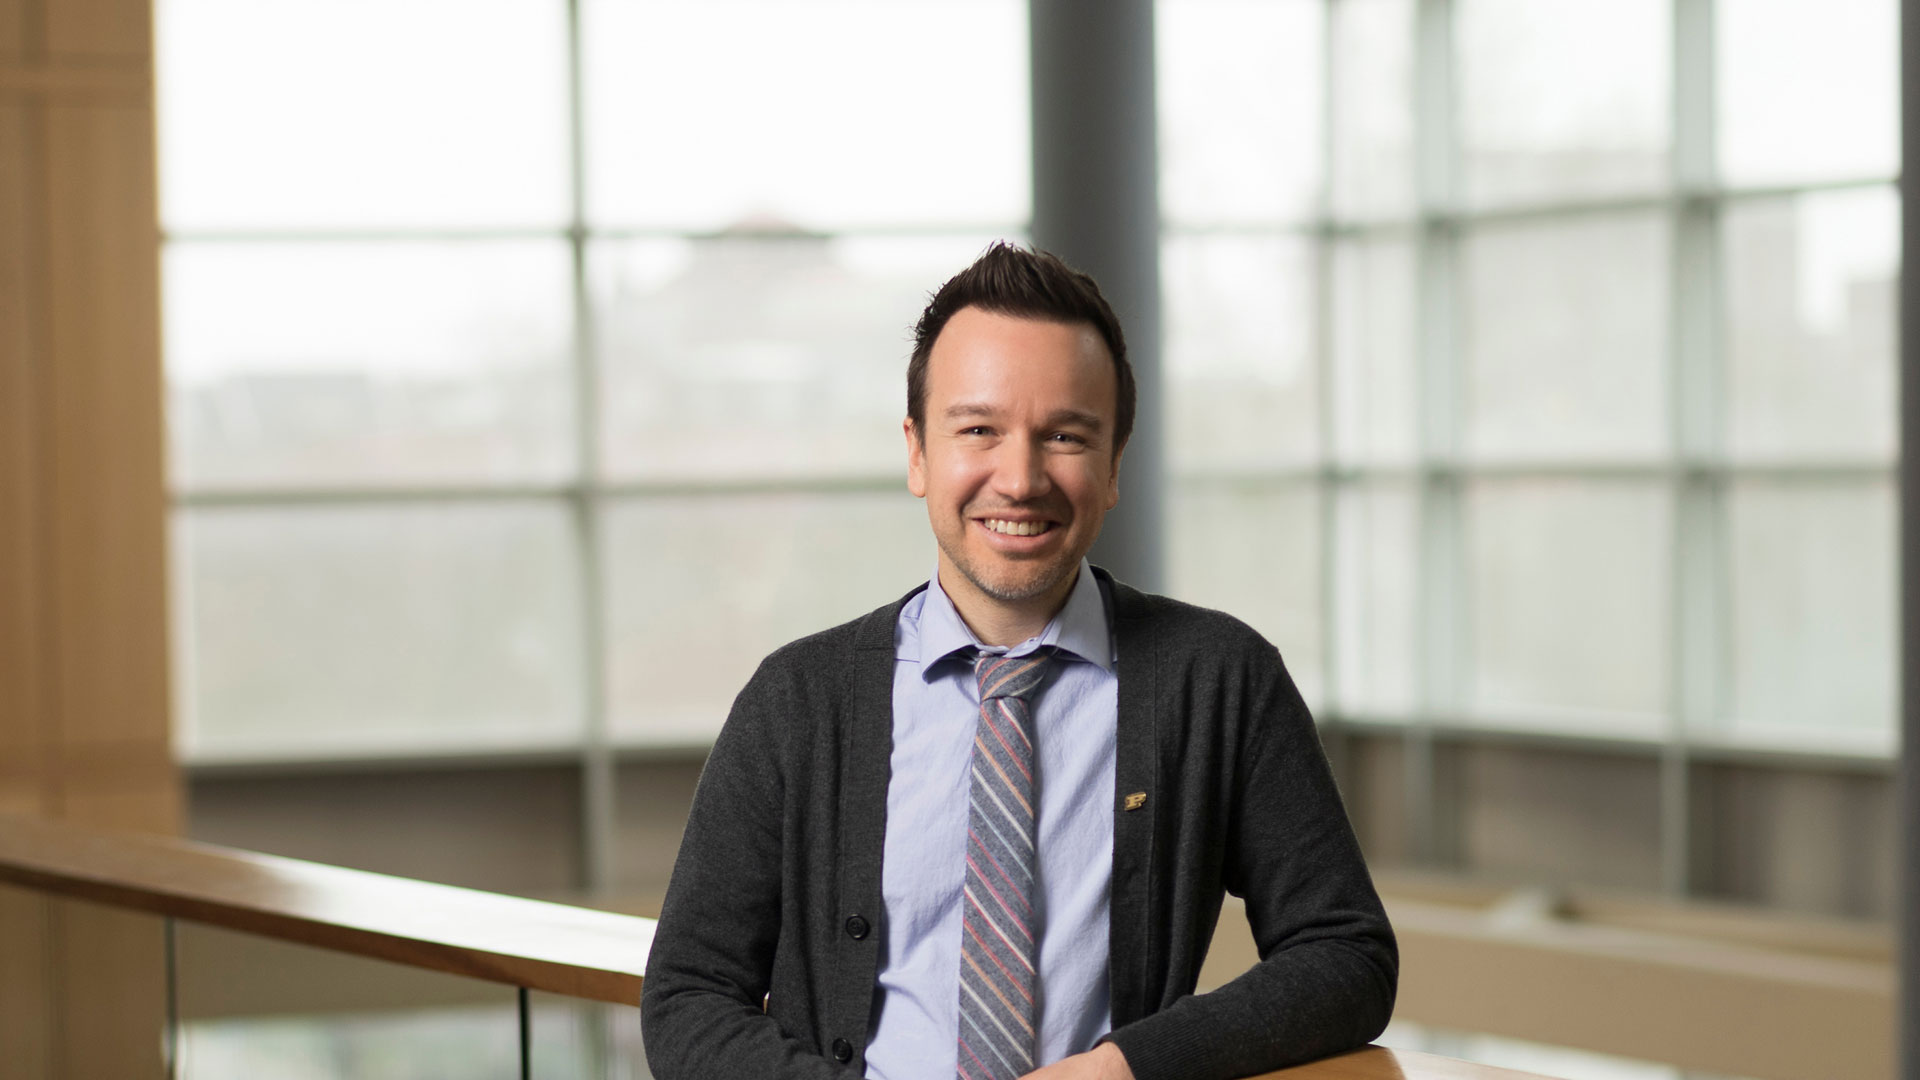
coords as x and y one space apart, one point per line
1531 364
535 367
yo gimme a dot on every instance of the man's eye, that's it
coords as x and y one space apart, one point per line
1069 437
974 431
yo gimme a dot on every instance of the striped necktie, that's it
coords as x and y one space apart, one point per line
999 938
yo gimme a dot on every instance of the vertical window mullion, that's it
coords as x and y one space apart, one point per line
597 773
1695 401
1440 622
1331 619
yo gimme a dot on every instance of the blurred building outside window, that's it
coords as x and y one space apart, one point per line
534 370
531 375
1519 384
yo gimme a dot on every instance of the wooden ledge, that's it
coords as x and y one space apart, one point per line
554 948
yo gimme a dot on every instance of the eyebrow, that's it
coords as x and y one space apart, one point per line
1058 418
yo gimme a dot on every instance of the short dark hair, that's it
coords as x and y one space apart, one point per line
1029 284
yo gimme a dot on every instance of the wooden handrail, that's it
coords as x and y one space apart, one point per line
554 948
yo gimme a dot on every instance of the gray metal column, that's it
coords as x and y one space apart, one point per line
1909 905
1096 204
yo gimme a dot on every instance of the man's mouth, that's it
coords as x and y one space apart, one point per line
1016 528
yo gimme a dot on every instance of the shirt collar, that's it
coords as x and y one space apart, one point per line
1078 630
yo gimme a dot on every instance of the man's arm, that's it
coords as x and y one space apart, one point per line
1328 969
701 1007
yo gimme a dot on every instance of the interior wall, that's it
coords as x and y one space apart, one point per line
655 796
1800 840
1778 834
1775 836
1551 815
511 830
1371 770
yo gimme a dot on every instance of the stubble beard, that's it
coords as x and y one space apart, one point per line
1025 579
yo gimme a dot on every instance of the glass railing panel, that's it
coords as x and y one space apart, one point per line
575 1039
251 1007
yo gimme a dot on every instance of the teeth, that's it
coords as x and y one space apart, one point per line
1018 528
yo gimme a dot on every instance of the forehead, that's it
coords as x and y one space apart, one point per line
1009 361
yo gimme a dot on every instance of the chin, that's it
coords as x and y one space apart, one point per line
1020 584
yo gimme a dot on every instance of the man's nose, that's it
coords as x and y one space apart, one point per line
1020 470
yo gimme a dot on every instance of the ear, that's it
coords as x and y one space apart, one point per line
1113 479
916 460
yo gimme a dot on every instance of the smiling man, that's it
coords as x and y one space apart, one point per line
984 831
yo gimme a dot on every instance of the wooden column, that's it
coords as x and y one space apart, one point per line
83 648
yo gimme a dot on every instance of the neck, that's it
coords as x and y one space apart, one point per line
1003 622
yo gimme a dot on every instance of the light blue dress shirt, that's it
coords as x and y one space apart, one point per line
936 705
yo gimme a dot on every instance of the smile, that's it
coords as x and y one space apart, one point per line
1016 528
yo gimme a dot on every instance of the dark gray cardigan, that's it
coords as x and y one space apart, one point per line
776 893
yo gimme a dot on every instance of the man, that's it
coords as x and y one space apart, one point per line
988 826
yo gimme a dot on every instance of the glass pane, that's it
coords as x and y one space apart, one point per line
312 113
1241 111
369 629
1240 374
1376 567
1808 90
481 1043
702 587
1815 599
1373 171
1568 587
1563 101
253 1007
1253 551
710 114
619 1034
756 357
1565 338
1375 378
572 1038
453 366
1811 288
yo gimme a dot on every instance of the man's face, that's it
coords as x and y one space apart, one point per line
1017 462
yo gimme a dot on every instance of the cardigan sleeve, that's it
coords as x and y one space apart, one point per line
1329 965
702 1011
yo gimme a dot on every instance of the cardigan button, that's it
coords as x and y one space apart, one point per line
858 928
842 1051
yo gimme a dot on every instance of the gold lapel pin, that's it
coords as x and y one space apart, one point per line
1136 800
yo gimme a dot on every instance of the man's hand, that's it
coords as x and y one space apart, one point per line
1103 1062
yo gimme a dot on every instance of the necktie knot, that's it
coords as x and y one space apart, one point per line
1011 676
